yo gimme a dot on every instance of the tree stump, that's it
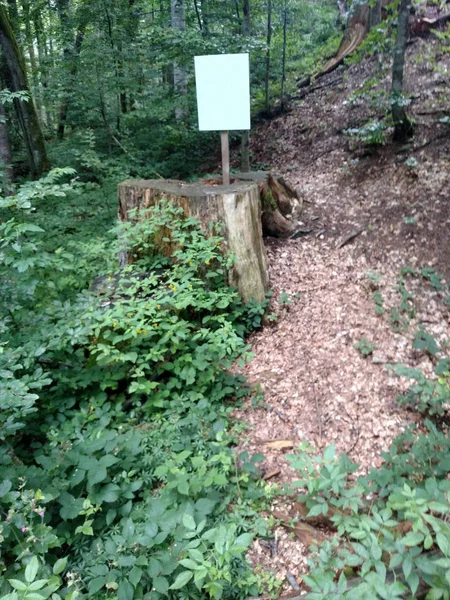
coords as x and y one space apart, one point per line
237 206
280 203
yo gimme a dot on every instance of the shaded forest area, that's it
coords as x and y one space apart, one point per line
117 77
161 439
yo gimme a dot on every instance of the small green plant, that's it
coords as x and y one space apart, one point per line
372 133
426 342
379 302
284 298
365 347
428 396
374 278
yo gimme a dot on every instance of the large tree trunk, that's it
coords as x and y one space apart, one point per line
237 206
26 112
178 15
403 128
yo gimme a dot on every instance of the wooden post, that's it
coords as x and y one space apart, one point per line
225 157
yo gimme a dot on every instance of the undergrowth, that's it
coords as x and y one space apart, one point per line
117 459
391 527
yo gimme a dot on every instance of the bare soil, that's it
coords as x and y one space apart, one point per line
395 200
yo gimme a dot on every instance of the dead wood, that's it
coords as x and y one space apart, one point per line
350 237
236 206
280 203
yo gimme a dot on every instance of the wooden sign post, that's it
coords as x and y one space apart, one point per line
225 157
223 98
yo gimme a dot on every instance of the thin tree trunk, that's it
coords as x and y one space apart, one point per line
283 65
33 62
245 139
205 18
178 16
375 14
43 70
403 128
73 56
268 42
199 20
26 113
236 4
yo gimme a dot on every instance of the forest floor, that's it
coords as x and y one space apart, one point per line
317 386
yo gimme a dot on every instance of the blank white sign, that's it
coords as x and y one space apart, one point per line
223 92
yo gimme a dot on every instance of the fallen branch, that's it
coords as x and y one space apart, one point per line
350 237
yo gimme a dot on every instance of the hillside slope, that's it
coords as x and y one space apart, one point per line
331 290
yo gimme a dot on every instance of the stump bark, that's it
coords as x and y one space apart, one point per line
237 206
280 203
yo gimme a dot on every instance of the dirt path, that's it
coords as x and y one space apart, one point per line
317 386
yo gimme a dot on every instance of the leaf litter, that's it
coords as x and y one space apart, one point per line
371 215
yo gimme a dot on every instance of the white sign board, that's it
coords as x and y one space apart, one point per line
223 92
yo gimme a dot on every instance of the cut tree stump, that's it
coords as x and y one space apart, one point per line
237 206
280 203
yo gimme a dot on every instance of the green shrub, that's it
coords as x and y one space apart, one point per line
117 467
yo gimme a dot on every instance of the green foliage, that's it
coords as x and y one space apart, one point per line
384 542
117 466
379 302
365 347
372 133
392 530
430 396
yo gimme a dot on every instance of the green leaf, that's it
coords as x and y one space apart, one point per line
413 582
183 487
160 584
17 584
444 543
188 521
31 569
154 567
329 453
407 566
125 591
135 575
59 565
196 555
241 543
182 580
5 486
96 584
70 506
189 564
413 538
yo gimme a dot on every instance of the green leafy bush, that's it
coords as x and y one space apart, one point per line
117 467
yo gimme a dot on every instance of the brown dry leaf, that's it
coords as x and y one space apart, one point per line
279 444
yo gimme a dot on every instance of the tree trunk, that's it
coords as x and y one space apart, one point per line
359 21
72 56
403 128
281 205
245 139
283 62
268 42
237 206
178 15
26 113
205 17
5 155
375 14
